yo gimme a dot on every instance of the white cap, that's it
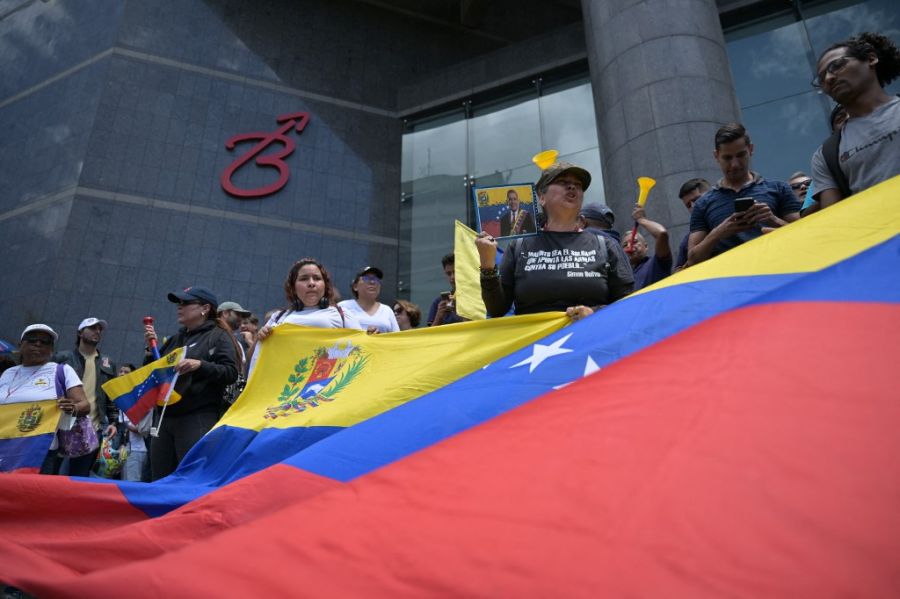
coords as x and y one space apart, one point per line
39 327
89 322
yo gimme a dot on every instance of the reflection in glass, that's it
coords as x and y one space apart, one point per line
433 171
785 134
769 64
503 137
567 119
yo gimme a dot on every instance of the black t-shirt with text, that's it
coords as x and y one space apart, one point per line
554 271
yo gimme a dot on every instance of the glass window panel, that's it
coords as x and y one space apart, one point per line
785 134
770 64
433 173
504 137
568 120
431 154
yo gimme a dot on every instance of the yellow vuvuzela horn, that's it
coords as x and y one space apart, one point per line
545 158
646 184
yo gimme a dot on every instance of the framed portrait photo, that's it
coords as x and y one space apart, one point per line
506 211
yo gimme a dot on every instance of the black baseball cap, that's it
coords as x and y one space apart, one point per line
597 211
369 269
193 294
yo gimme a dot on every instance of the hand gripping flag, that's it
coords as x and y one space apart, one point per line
729 431
152 385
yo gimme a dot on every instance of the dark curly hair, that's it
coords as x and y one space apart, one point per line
294 302
864 44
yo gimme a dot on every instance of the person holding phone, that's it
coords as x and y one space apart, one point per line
741 204
443 308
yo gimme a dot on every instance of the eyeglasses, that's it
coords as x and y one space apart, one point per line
38 341
832 67
370 279
800 184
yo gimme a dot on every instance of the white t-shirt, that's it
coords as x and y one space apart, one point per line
33 383
383 319
136 440
322 318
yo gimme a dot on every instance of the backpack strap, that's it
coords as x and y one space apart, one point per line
831 154
60 379
603 256
343 320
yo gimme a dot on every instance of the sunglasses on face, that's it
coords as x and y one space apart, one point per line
370 279
189 303
38 341
832 67
398 310
800 184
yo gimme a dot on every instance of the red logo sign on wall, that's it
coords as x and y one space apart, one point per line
275 160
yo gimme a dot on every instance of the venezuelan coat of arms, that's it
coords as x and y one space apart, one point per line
29 418
318 378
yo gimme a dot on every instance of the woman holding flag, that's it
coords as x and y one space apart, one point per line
310 296
35 379
209 366
562 267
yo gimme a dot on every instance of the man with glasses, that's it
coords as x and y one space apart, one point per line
736 209
866 151
799 183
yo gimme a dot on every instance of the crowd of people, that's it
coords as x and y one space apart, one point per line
576 262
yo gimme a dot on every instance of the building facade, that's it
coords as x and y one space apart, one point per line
116 114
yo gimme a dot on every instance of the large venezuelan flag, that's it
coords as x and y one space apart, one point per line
730 431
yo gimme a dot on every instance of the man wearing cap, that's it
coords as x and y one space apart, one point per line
517 220
563 267
94 369
599 219
208 367
233 315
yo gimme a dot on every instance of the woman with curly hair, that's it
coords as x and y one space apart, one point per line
310 296
866 151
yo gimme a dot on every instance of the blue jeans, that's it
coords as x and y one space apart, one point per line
135 464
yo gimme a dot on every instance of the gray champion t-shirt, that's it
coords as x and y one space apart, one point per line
869 152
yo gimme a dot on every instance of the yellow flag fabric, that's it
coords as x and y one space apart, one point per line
28 419
468 274
338 377
808 245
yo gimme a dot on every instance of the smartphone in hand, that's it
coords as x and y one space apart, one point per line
743 204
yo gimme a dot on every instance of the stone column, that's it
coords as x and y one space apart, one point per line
662 86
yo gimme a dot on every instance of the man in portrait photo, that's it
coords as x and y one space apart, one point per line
518 220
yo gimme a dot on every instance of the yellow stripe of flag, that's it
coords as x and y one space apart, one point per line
337 377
